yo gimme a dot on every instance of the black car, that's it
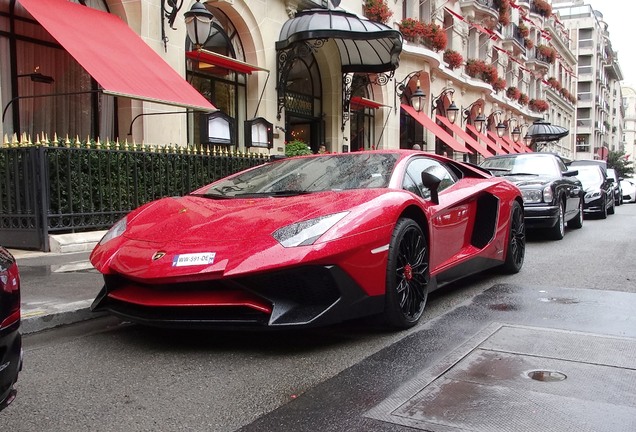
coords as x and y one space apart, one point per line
10 339
599 190
552 195
618 189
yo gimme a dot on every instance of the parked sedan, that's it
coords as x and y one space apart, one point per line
618 190
10 339
599 190
552 195
629 190
310 241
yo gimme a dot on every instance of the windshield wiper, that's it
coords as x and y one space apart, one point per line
280 193
211 196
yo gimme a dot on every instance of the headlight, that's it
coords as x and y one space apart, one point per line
547 195
592 195
306 232
532 196
115 231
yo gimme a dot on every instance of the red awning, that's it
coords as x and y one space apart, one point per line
455 14
365 103
467 138
520 147
484 138
219 60
491 34
114 55
504 145
437 130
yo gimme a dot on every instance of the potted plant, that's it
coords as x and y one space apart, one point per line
554 83
524 99
297 148
539 105
499 84
543 8
504 12
453 58
433 37
411 29
524 31
528 43
377 10
547 52
475 68
513 93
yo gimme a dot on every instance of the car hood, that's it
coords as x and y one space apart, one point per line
190 219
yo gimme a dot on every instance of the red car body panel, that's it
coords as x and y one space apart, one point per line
239 231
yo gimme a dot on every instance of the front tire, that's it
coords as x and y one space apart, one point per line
577 222
407 275
612 208
557 232
516 250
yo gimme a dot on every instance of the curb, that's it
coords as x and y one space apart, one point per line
36 320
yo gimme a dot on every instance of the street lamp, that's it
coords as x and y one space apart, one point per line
198 21
479 121
437 103
417 98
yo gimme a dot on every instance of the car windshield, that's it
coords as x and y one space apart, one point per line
311 174
522 164
589 175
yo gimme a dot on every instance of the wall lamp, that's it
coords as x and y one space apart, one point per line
479 120
438 104
198 21
417 98
38 77
501 127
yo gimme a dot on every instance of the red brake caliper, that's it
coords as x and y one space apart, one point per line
408 272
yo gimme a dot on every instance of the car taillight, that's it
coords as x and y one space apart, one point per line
10 287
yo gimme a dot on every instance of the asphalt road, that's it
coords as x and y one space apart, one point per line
105 376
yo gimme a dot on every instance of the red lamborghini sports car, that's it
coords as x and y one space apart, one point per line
10 339
309 241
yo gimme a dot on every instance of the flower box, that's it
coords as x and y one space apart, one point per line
453 58
377 10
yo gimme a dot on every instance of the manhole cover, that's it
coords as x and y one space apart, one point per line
546 376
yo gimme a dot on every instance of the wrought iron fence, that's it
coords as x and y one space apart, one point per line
64 186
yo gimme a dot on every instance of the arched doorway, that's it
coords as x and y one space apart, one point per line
303 103
225 88
361 133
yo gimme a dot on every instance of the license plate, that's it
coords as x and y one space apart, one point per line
193 259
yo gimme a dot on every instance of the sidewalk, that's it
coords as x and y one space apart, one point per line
58 287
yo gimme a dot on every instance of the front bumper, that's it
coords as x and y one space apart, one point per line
594 206
301 297
10 363
540 216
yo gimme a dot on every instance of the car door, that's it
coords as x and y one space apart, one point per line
449 221
573 190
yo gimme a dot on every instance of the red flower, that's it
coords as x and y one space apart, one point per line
513 93
523 99
377 10
499 84
543 8
453 58
538 105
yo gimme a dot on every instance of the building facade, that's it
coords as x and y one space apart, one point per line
463 78
629 128
599 111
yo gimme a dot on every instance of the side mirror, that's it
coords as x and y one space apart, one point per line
431 179
572 173
611 180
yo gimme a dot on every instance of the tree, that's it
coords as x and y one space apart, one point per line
618 161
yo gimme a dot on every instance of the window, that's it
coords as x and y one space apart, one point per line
413 177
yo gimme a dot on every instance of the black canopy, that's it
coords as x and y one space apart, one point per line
543 131
365 46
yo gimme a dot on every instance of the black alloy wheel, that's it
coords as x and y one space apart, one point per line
603 212
612 208
408 275
516 241
577 222
557 232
